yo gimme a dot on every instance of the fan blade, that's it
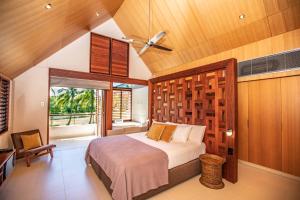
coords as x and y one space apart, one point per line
144 49
157 37
161 47
131 41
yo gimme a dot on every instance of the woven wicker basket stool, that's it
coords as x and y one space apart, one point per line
211 171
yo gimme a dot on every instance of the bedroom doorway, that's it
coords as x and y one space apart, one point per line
75 112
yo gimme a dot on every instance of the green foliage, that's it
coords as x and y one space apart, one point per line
72 100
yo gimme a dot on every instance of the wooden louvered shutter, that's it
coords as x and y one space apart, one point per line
119 58
116 111
4 104
122 104
126 105
100 54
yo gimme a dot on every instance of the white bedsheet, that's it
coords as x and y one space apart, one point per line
178 153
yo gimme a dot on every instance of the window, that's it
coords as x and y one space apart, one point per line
4 107
121 104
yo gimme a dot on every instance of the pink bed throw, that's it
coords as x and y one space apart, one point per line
133 167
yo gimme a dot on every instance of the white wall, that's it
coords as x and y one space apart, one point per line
31 87
31 100
5 141
140 104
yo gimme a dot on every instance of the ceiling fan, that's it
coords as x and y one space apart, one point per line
151 42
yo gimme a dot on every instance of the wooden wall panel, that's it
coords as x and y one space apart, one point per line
265 123
108 95
243 120
255 138
272 137
270 111
290 95
206 95
100 54
119 58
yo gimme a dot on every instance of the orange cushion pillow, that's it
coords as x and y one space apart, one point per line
31 141
168 132
155 131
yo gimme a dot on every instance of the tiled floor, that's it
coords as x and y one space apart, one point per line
68 177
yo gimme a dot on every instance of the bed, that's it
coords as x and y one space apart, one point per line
182 163
178 153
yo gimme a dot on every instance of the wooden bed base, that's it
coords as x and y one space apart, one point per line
177 175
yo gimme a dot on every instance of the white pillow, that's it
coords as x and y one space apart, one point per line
197 134
156 122
181 133
171 123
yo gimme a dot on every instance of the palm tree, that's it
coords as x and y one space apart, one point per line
54 109
86 100
66 101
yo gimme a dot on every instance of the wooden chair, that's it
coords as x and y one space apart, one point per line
31 153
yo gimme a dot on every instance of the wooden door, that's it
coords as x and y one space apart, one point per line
243 120
100 54
290 90
119 58
264 146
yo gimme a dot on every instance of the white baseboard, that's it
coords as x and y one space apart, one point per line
280 173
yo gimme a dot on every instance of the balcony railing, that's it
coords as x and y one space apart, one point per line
72 119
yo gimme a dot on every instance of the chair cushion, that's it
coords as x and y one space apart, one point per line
31 141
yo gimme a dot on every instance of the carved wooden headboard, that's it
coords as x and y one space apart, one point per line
205 95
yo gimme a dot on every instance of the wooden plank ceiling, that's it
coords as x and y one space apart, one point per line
195 28
199 28
30 33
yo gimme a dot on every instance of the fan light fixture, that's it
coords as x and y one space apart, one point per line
242 16
151 41
48 6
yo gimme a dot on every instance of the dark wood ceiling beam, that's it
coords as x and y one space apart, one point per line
93 76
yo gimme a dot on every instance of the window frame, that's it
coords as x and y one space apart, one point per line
124 89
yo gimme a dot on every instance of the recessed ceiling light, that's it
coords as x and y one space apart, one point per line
242 16
48 6
97 14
